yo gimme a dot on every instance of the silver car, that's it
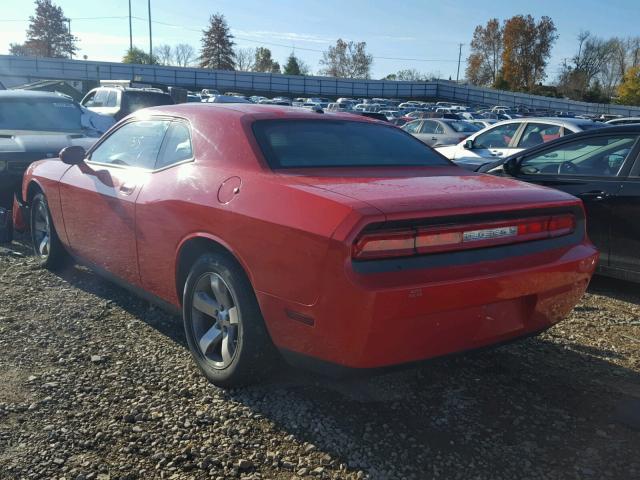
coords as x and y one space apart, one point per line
437 132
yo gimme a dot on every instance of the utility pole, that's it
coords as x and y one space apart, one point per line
69 30
130 29
150 41
459 57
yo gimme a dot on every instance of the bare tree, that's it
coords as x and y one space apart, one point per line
347 60
485 61
163 54
245 58
185 54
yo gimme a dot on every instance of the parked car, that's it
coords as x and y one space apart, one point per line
226 99
35 125
384 233
482 123
436 132
511 136
602 168
118 102
623 121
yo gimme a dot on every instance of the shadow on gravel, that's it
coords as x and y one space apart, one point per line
614 288
535 408
161 320
532 408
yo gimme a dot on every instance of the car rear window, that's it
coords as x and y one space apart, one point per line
137 100
56 115
463 127
336 143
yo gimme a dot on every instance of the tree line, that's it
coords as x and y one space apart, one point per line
514 55
509 55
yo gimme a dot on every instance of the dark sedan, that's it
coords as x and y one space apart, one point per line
602 167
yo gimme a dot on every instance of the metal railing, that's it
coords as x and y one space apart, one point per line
36 68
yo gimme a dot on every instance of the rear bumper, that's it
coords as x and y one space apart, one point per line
376 320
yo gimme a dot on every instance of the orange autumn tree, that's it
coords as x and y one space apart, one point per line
629 89
526 50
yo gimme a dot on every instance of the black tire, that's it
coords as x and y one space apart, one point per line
253 352
54 256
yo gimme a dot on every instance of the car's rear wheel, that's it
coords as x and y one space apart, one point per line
225 330
45 240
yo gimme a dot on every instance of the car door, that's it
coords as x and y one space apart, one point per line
496 142
429 132
625 220
98 196
535 133
159 209
593 169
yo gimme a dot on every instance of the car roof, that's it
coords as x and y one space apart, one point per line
262 111
552 120
4 94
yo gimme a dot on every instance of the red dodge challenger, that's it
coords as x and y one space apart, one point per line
337 241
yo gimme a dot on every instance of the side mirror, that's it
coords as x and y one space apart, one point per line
468 144
512 166
72 155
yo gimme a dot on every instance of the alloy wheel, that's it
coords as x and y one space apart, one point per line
42 230
215 321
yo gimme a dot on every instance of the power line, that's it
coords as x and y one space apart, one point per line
252 40
263 42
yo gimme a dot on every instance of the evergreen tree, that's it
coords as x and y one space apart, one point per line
217 45
264 62
48 33
292 67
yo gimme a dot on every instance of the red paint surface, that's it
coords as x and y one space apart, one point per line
293 231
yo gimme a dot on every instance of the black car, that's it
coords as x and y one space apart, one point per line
35 125
602 167
119 102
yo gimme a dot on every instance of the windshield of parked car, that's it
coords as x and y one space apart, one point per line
592 125
335 143
463 127
48 114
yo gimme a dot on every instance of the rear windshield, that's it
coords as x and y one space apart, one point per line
137 100
463 127
338 143
56 115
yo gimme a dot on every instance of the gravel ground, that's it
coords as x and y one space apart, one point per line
97 384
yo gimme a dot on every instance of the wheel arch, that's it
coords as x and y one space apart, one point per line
192 247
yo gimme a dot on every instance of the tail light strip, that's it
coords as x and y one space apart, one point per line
400 243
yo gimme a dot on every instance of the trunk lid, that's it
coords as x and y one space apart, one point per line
429 191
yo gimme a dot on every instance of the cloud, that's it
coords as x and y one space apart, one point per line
285 36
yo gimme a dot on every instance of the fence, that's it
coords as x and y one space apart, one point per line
35 68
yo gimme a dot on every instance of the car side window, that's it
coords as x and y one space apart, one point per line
176 146
411 127
429 126
599 156
135 144
100 99
112 99
537 133
498 137
88 100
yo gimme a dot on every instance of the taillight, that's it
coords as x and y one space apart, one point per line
399 243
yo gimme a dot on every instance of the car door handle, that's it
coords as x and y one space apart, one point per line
127 188
596 195
496 154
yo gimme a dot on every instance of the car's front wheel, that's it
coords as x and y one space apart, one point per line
45 240
223 324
